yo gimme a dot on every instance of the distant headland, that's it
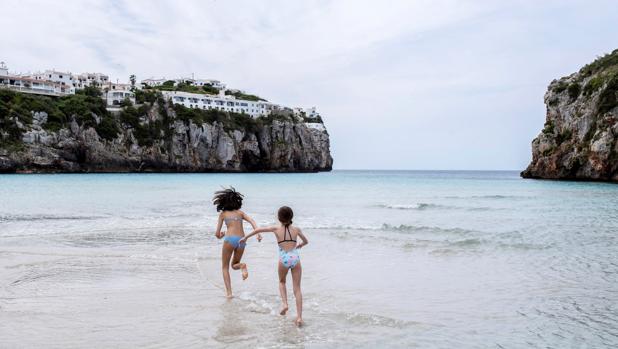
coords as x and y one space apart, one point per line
580 137
54 121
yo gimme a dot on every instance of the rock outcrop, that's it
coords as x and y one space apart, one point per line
184 146
579 140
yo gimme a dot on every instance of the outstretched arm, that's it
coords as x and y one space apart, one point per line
258 231
218 233
303 237
252 222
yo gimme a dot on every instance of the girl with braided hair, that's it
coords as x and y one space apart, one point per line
289 259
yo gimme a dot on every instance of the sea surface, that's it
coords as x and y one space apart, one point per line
395 260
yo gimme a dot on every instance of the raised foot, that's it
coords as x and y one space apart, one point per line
299 322
284 310
245 272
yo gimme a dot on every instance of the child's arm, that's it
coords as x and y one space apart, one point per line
219 225
258 231
303 237
252 222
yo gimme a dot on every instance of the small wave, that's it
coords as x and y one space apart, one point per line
419 206
427 206
481 209
374 320
492 196
523 246
465 242
422 228
32 218
342 227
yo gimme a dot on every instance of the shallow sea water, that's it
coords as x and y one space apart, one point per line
396 259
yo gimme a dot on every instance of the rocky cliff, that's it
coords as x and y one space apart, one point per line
155 138
579 140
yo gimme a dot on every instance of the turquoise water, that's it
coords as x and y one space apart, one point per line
396 259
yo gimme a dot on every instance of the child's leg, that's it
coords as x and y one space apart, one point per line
297 272
283 273
236 262
226 255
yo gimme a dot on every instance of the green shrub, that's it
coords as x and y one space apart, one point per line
548 128
267 120
144 135
4 109
601 63
563 136
560 86
247 97
126 103
142 96
210 89
91 91
130 117
608 98
189 114
60 110
553 102
107 128
593 85
574 90
318 118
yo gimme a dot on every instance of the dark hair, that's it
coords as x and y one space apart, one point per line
285 215
227 200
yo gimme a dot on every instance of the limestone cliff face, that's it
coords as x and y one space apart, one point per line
579 140
279 146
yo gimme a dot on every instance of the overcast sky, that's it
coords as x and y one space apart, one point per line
400 84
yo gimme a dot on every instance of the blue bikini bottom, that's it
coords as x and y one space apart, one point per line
234 241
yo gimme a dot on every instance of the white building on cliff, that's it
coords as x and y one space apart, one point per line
58 83
34 85
220 102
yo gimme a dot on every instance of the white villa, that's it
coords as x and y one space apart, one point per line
202 82
55 83
62 78
88 79
218 102
118 86
115 98
30 84
78 81
307 112
152 82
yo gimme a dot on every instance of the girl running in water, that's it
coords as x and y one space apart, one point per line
229 202
289 258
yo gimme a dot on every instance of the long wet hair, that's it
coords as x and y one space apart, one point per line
227 200
285 215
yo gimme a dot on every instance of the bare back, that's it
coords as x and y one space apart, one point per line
234 222
287 236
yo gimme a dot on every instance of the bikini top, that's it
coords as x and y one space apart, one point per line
285 239
232 219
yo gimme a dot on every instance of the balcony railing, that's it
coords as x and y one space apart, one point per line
33 90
